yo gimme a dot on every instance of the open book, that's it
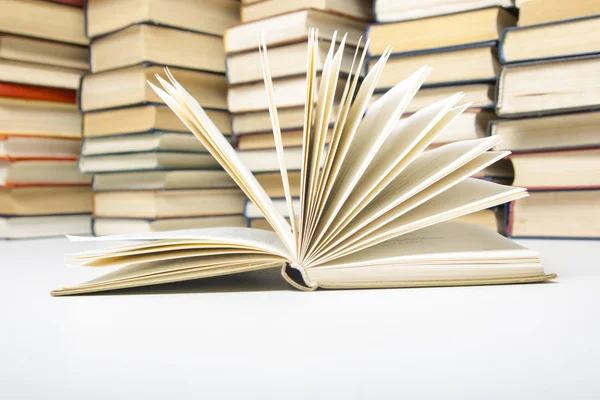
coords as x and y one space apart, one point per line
374 200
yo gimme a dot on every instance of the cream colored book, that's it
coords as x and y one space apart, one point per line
374 208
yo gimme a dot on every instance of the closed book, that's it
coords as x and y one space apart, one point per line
260 121
471 64
289 93
45 200
29 73
128 86
41 173
551 40
44 226
293 27
446 31
547 87
469 125
144 43
479 95
266 160
145 161
554 132
285 61
570 214
182 142
143 119
19 48
206 16
162 180
533 12
37 93
169 203
561 169
20 147
257 141
360 9
25 117
393 10
122 226
43 19
271 182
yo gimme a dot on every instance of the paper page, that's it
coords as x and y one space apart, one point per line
407 141
358 229
466 197
352 122
195 118
370 136
277 133
325 175
260 239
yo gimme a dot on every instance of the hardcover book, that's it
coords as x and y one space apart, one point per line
373 208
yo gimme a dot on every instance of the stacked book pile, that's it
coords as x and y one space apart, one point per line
43 54
150 172
549 104
286 26
460 40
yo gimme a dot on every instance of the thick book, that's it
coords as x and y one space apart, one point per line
123 226
19 48
440 32
393 10
20 147
147 43
288 93
375 214
206 16
554 132
260 141
41 173
551 40
145 161
534 12
143 119
26 117
549 87
479 95
560 169
44 226
30 73
169 203
43 93
45 200
564 214
469 64
127 86
157 141
31 18
260 121
271 183
293 27
286 61
162 180
360 9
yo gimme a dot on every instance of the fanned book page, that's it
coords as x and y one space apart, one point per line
376 202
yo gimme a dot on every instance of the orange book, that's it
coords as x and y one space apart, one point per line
38 93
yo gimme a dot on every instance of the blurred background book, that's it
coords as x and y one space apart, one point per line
43 54
75 120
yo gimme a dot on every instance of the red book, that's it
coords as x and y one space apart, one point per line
38 93
74 3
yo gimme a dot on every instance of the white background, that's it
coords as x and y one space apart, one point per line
252 336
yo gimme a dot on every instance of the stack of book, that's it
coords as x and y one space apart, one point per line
549 104
150 172
286 25
43 54
460 40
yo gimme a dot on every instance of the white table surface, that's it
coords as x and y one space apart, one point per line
253 337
